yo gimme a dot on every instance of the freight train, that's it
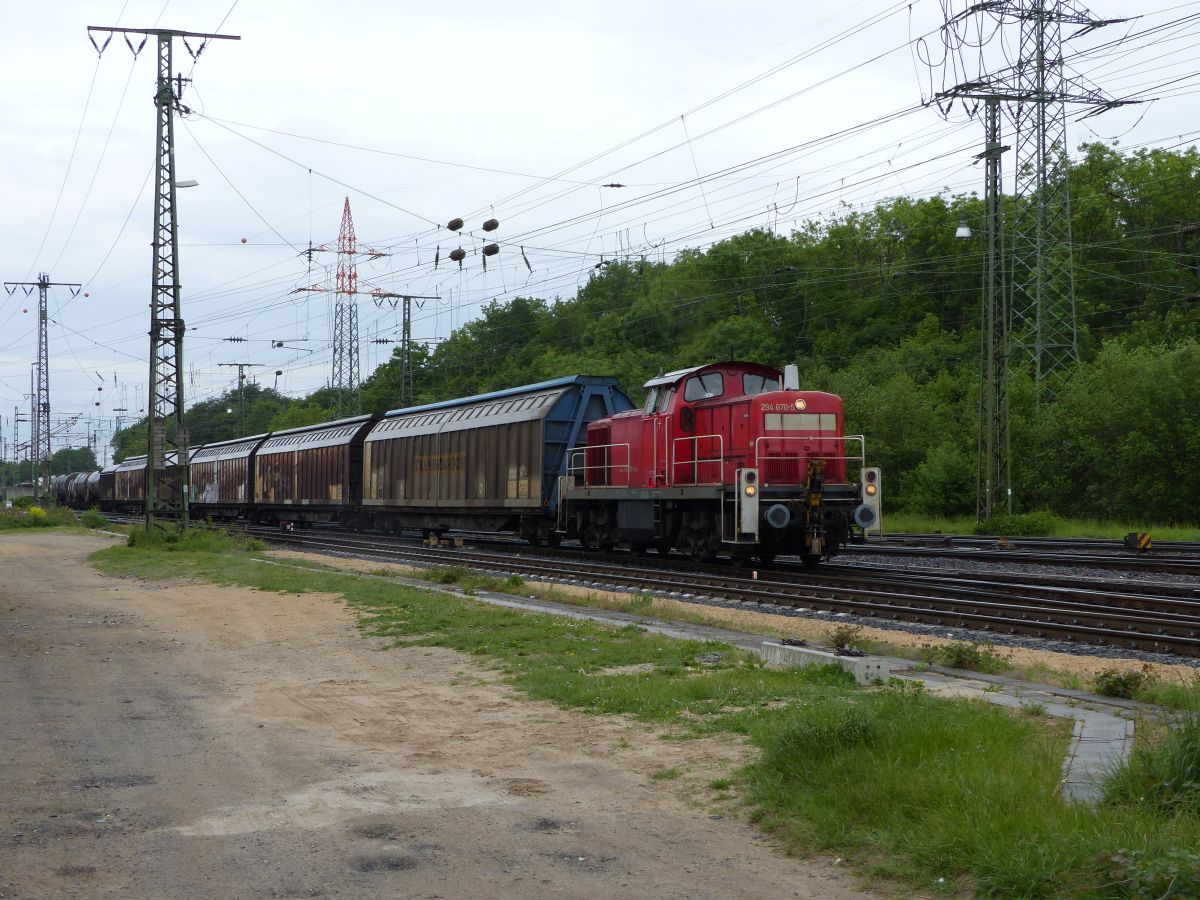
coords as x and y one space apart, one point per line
727 458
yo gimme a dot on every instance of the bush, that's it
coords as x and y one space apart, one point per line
974 657
198 538
93 518
845 637
1125 683
1034 524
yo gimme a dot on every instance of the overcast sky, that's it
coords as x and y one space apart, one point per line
715 117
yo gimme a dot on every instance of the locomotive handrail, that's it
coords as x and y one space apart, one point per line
696 462
760 457
608 467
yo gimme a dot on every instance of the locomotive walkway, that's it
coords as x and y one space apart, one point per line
1102 737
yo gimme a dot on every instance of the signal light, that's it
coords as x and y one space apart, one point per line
747 506
872 498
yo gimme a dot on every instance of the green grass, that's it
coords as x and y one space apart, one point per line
908 786
909 523
36 517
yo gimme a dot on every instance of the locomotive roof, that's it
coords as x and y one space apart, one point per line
679 374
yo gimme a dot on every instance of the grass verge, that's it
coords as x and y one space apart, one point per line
1036 524
945 795
36 517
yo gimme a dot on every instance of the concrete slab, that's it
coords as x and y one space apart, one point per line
865 669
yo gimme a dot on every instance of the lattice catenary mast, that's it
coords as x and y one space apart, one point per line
165 498
39 444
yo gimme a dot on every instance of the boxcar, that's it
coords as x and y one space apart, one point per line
129 485
489 462
222 478
312 474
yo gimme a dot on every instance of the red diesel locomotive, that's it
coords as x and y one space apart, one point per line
725 458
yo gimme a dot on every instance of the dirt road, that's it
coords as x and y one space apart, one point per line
195 741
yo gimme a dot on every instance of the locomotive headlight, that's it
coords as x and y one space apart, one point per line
801 403
872 490
751 490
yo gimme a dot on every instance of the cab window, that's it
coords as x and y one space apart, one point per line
753 383
652 401
704 387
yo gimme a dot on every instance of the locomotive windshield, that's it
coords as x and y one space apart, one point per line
753 383
704 387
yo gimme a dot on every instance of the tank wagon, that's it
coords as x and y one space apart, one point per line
727 458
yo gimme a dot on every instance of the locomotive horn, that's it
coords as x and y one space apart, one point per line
778 516
864 516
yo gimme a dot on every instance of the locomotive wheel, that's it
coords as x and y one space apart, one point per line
663 548
554 539
810 559
768 557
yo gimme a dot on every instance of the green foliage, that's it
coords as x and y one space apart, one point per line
1173 873
1034 524
973 656
196 539
93 518
1163 777
845 637
1125 683
33 516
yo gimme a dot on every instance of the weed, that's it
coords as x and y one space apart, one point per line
973 656
1163 777
1040 523
1123 683
33 516
721 784
640 603
93 518
1173 873
845 637
665 775
1036 710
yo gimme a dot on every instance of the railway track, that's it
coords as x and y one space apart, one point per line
1182 561
1157 617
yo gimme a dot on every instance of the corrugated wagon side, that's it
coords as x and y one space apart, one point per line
222 478
485 463
311 474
